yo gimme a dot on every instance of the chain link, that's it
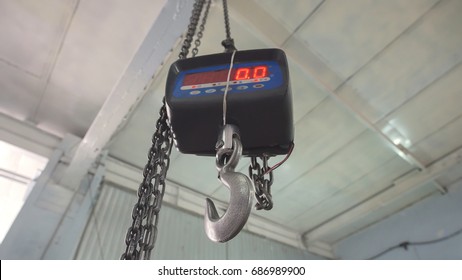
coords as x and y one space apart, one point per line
228 43
142 234
200 33
193 21
226 17
262 185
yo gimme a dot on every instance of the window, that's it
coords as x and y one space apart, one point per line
18 171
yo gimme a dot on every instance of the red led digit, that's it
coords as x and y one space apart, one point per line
242 74
259 72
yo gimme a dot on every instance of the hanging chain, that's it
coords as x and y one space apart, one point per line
226 17
262 185
228 43
200 33
193 21
142 234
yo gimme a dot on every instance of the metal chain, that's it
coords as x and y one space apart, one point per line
226 16
228 43
262 185
200 33
142 234
193 21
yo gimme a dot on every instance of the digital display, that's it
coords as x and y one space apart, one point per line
258 91
218 76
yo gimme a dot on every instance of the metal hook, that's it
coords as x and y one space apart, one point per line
229 151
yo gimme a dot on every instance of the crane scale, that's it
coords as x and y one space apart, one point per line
259 101
227 105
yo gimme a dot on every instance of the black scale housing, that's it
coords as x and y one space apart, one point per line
264 117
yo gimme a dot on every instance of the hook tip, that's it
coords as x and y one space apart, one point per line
211 213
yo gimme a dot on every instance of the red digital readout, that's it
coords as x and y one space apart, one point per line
243 73
250 73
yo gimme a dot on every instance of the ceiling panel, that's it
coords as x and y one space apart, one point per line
306 95
440 143
353 194
290 14
31 33
419 57
326 129
18 97
385 210
41 24
359 157
101 42
347 34
427 112
452 176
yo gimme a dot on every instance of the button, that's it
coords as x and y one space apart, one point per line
258 86
242 87
211 90
194 92
229 89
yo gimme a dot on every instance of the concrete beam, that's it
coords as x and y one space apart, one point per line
132 86
65 241
27 136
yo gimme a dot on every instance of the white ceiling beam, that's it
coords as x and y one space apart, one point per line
399 188
65 240
320 248
27 136
132 86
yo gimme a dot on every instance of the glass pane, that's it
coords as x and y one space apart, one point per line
18 170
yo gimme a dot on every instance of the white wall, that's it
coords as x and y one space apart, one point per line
181 235
435 217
